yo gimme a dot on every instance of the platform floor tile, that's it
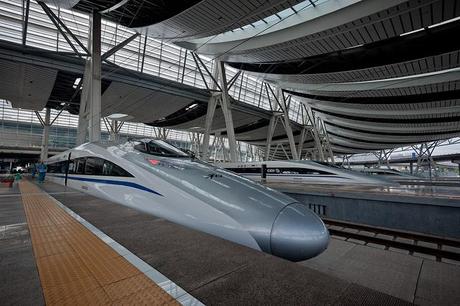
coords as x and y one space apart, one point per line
78 268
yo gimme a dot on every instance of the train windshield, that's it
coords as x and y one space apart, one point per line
160 148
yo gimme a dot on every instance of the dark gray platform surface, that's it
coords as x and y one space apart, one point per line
19 281
417 278
214 270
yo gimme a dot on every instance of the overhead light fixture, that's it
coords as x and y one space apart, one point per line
118 116
356 46
77 81
412 32
443 22
191 106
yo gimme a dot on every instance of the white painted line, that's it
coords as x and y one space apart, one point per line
181 296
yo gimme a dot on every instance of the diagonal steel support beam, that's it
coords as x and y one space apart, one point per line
40 118
60 112
119 46
200 71
207 70
113 8
274 95
25 22
62 28
233 80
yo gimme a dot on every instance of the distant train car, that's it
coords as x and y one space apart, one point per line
157 178
390 174
304 171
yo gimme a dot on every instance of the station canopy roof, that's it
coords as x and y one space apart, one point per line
380 74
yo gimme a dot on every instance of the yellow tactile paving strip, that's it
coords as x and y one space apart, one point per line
75 266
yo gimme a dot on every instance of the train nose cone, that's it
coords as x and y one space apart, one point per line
298 233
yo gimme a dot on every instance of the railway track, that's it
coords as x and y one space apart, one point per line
439 247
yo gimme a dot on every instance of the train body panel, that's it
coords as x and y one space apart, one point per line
192 193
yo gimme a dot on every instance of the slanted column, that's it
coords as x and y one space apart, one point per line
95 95
271 130
114 131
225 103
212 103
46 135
287 124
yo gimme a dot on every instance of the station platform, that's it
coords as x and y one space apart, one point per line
203 268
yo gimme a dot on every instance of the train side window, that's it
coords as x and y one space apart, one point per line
62 167
111 169
71 166
80 165
50 168
94 166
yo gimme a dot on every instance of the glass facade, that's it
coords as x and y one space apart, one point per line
162 59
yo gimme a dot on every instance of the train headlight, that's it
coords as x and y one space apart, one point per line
154 162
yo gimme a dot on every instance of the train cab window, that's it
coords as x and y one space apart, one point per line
94 166
58 167
111 169
50 168
71 167
160 148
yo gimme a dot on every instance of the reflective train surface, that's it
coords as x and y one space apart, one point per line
390 174
159 179
305 171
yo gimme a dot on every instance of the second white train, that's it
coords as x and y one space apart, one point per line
304 171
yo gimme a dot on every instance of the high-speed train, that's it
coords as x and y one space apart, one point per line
157 178
304 171
390 174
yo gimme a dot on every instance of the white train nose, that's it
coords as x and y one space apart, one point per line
298 233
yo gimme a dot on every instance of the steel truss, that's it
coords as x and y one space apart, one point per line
46 124
114 128
279 105
313 125
424 154
219 96
383 157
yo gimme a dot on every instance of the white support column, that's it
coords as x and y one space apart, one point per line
84 103
271 131
303 135
287 124
95 96
46 135
225 104
310 121
208 125
114 130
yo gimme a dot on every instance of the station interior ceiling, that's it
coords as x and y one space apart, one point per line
378 74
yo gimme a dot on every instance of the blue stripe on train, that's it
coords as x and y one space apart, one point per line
110 182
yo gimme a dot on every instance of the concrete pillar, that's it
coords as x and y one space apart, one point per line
287 124
212 103
114 130
95 95
271 130
45 135
83 113
225 103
